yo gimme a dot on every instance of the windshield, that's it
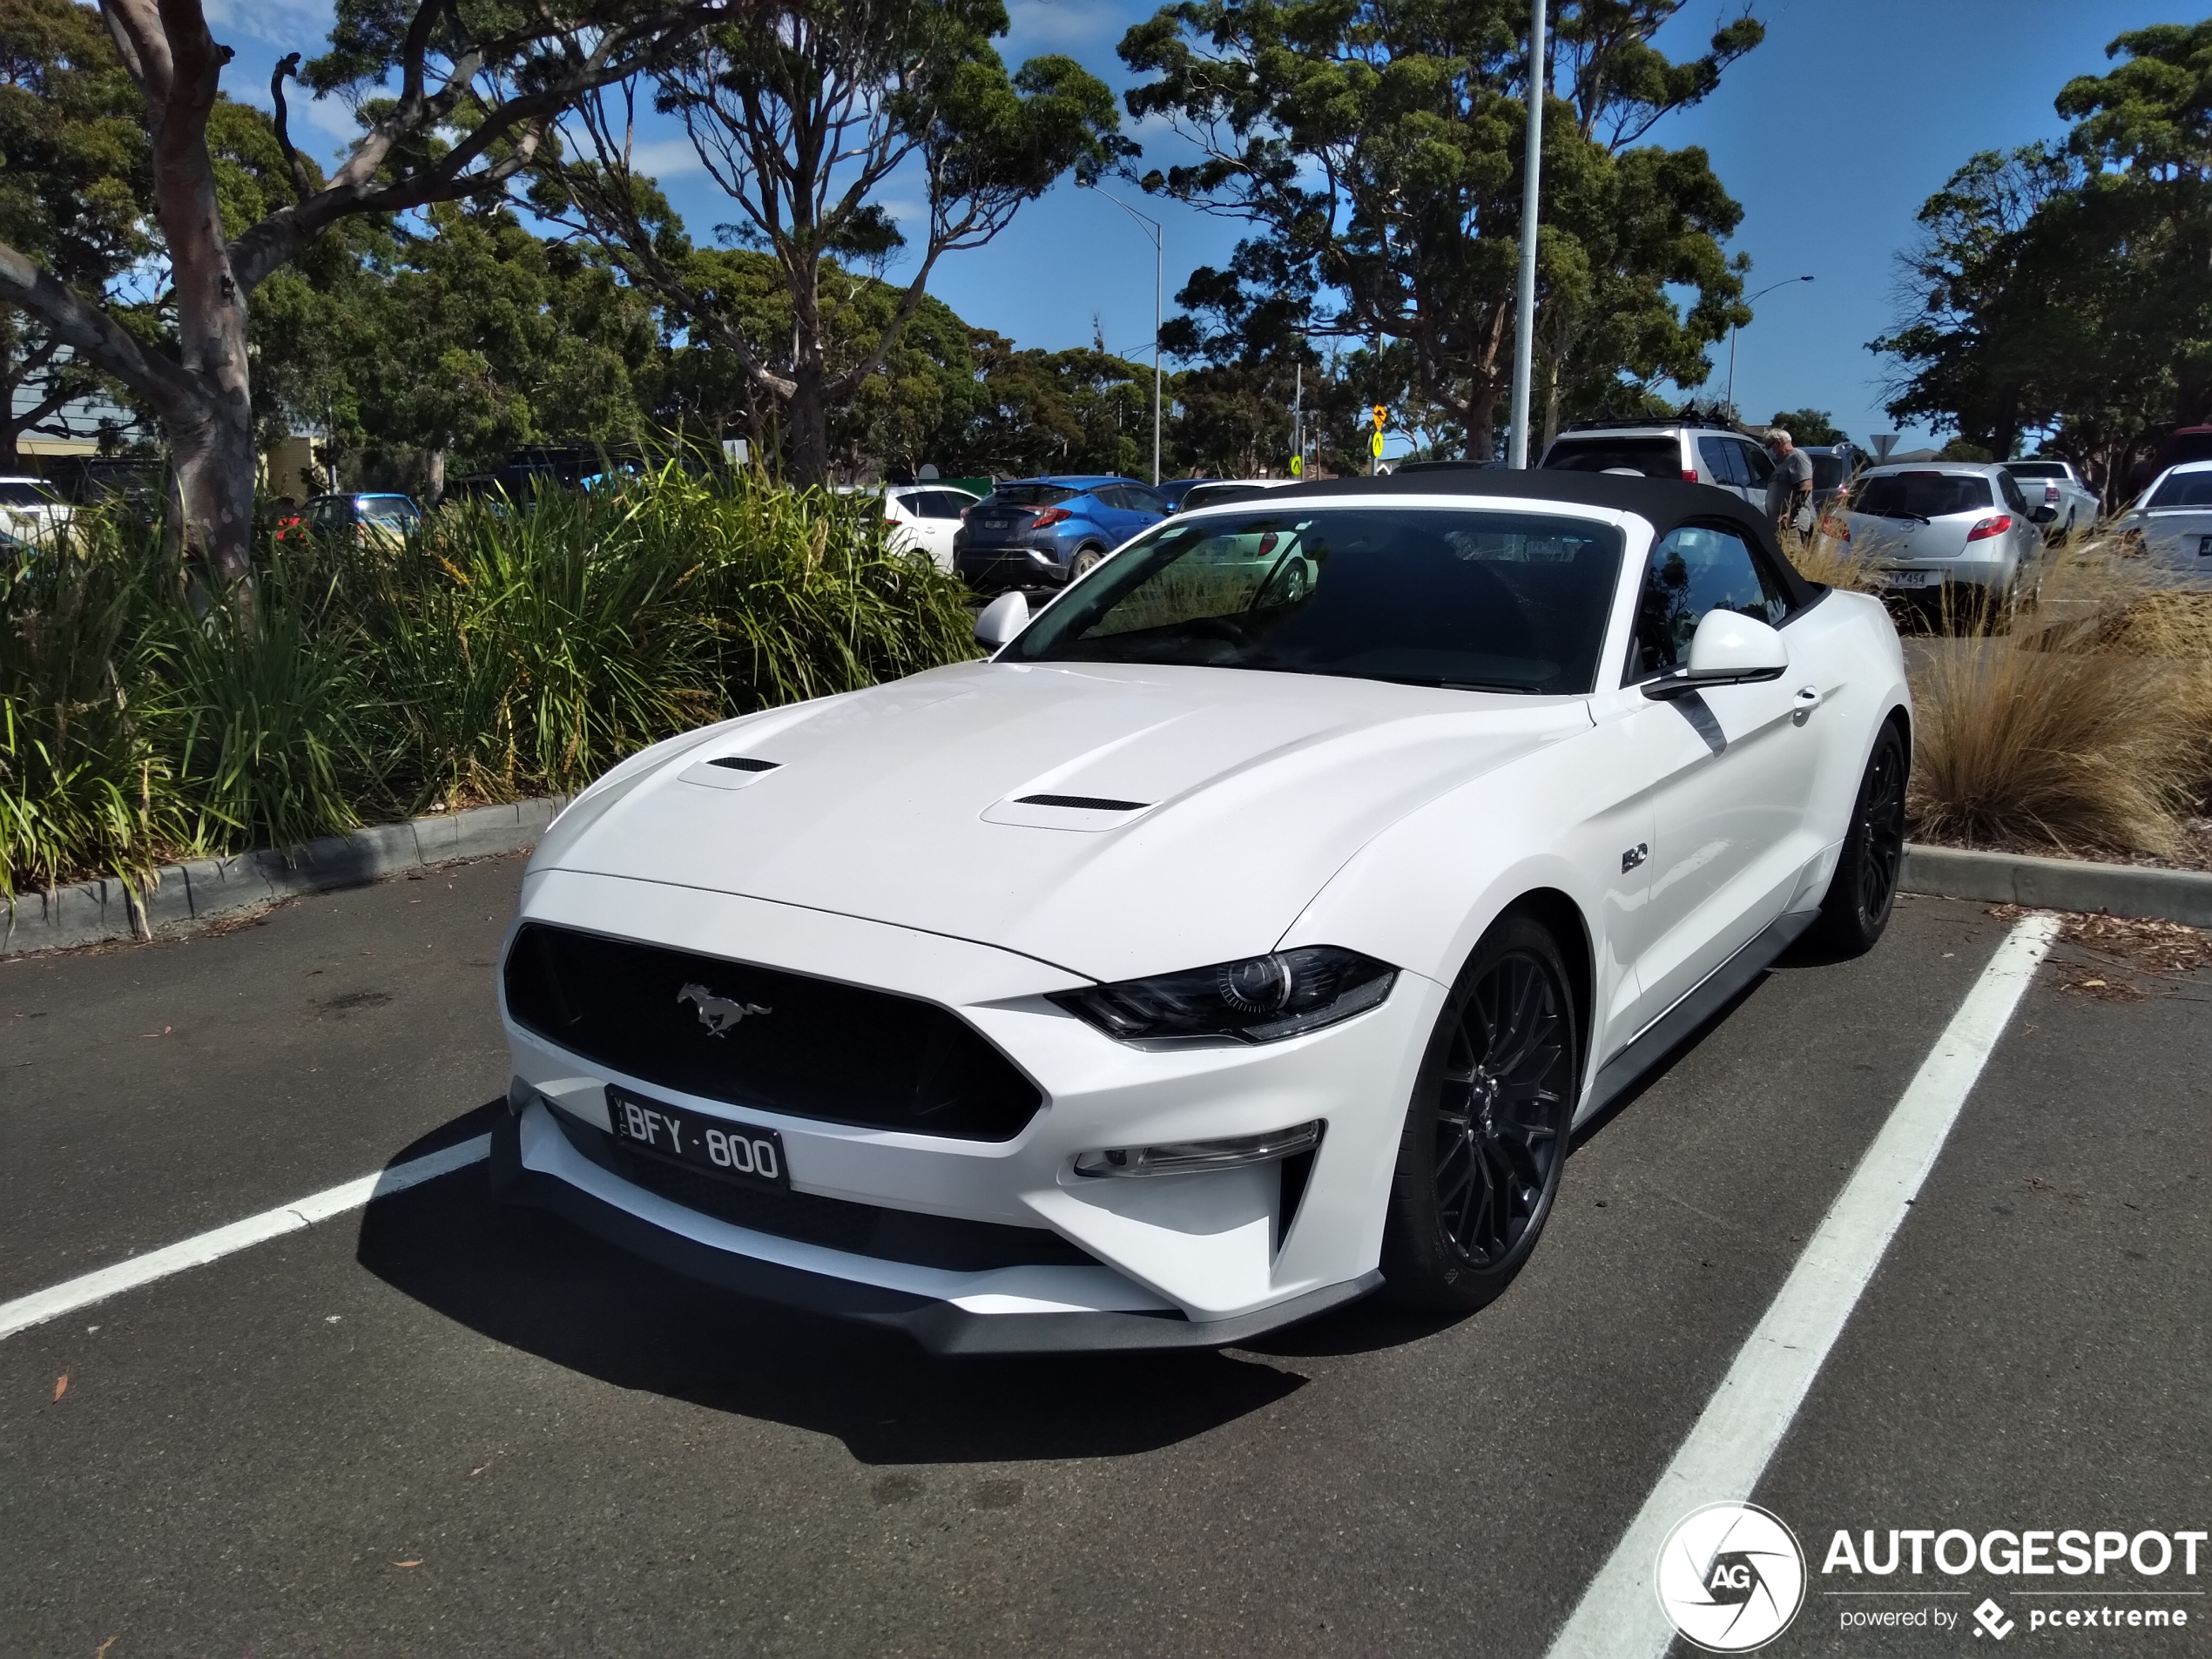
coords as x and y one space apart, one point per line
1827 471
393 507
1487 601
1653 458
1030 494
22 495
2183 489
1921 495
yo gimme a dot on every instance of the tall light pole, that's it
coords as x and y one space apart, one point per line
1762 293
1159 263
1524 323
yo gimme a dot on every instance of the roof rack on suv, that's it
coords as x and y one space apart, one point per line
1693 417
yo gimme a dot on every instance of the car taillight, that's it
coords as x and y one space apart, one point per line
2050 495
1831 525
1689 475
1990 527
1050 517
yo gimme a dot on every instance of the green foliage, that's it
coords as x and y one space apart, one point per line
1378 153
2062 287
803 115
510 650
1808 426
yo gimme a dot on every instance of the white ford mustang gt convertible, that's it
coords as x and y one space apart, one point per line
1256 927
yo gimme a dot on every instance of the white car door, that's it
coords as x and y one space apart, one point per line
1731 768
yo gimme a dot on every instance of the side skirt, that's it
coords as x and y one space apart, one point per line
1658 1041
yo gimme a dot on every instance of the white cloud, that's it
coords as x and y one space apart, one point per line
665 158
1047 24
297 25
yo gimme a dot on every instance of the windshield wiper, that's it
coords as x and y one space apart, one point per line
1442 682
1901 513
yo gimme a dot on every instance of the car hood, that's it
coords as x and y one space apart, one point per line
1232 798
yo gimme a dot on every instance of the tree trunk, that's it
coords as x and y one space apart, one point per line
437 481
807 429
212 460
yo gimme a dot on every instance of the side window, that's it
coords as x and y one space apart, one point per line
1759 465
1110 497
2010 491
950 504
1724 460
1693 570
1137 499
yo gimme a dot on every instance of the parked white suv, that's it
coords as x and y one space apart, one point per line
1695 451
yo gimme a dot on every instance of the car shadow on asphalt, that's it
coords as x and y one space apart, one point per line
523 1277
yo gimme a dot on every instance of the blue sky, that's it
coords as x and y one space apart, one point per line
1830 135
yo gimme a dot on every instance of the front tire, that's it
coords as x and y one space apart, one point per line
1862 892
1485 1141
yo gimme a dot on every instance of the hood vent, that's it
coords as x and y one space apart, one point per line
1083 803
728 772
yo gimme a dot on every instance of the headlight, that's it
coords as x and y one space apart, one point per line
1260 998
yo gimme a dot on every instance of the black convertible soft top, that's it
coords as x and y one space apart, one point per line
1666 503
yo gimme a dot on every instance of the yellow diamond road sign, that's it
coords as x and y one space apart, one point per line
1375 445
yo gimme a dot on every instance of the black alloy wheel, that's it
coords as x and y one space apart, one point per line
1862 892
1485 1135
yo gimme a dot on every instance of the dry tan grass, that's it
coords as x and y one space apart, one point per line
2086 728
1827 557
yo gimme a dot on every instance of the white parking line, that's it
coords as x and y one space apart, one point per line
1619 1616
67 1296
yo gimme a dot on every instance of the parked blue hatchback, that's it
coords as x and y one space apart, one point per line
1044 532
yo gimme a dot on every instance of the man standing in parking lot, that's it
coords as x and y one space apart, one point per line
1790 488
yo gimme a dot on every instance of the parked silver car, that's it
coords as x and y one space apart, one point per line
1931 527
2171 524
2054 487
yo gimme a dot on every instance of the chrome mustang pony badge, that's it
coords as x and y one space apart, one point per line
717 1014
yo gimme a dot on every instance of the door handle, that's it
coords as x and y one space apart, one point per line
1808 697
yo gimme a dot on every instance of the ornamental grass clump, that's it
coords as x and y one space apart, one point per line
508 648
2084 727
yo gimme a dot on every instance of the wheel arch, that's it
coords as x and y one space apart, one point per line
1557 912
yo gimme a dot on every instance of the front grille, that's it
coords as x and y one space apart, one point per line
835 1223
764 1037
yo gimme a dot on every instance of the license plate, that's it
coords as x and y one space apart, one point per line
996 523
1913 579
742 1152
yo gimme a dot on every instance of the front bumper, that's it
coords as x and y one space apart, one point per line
1192 1260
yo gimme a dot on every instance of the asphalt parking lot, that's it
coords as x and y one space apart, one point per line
438 1426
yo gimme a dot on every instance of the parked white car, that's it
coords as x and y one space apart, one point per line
2056 497
1956 525
2171 524
1253 929
923 515
30 511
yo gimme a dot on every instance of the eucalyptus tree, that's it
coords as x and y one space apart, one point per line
478 87
1375 147
805 115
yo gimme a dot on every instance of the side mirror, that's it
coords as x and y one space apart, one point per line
1729 648
1002 620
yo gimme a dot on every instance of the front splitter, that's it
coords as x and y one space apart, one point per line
938 1325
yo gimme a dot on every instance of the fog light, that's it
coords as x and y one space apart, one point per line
1188 1158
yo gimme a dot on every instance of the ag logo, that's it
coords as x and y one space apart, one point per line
1731 1577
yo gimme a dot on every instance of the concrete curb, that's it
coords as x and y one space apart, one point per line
2059 884
90 912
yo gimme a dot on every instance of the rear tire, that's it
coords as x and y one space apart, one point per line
1862 892
1485 1141
1085 561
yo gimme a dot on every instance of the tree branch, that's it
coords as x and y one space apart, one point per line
95 337
302 188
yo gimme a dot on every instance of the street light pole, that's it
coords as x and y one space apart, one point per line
1156 232
1761 294
1524 325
